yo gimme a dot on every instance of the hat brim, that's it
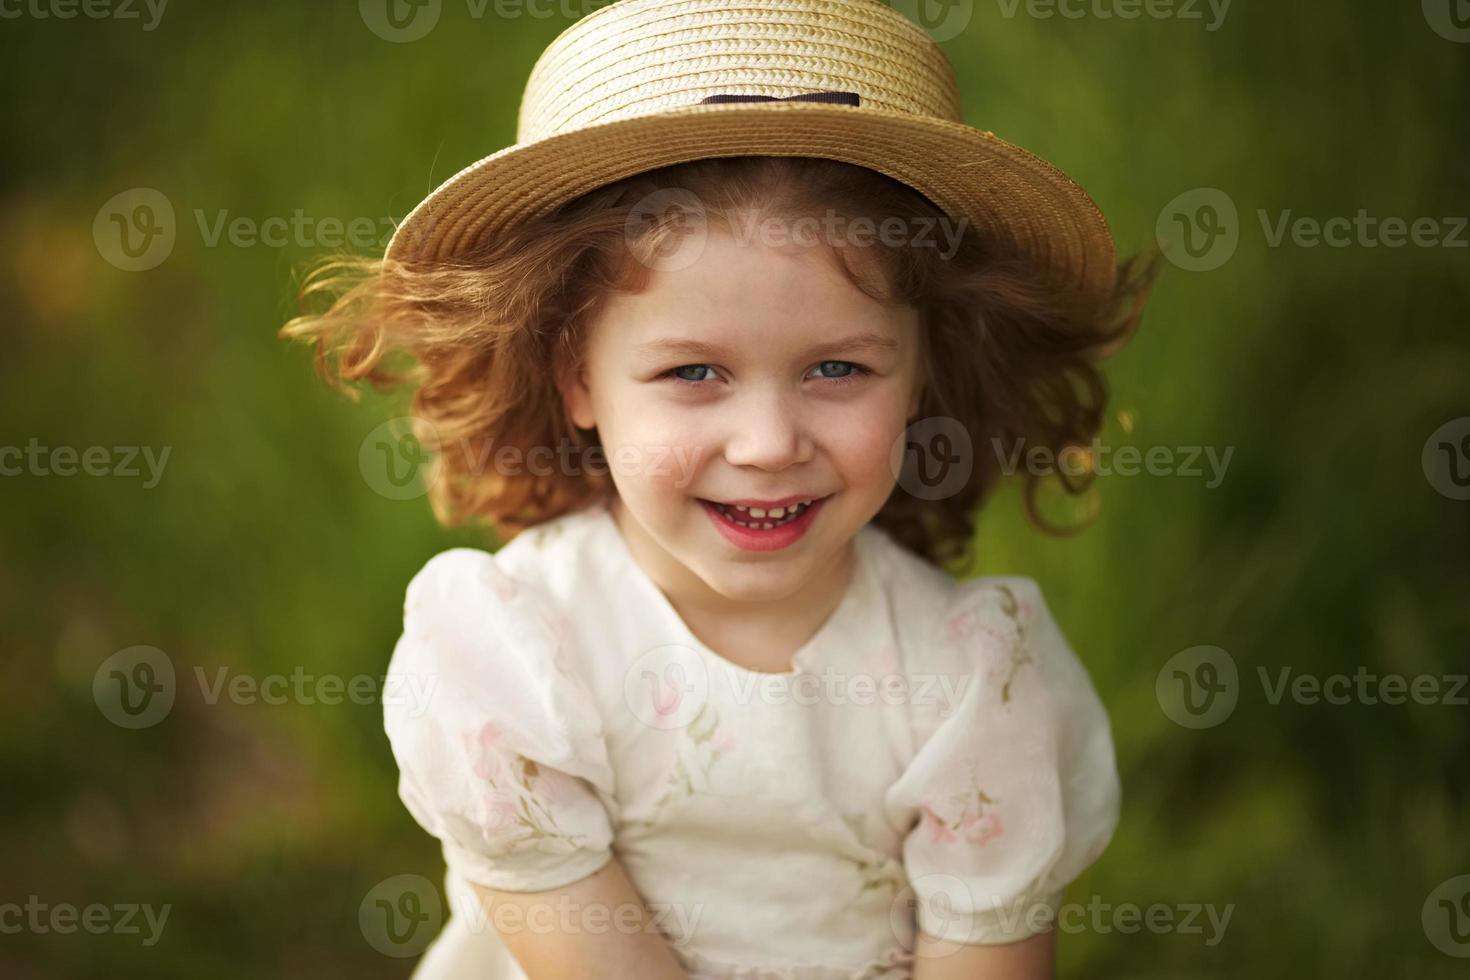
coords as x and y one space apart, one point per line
971 174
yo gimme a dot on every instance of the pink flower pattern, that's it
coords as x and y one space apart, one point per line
977 823
1007 651
706 744
517 793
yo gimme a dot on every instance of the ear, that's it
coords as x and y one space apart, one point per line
576 397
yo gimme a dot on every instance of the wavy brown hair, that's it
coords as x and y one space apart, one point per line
1007 354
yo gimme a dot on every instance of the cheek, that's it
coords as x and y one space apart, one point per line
656 445
859 435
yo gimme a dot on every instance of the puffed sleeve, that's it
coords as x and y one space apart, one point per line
1014 787
501 753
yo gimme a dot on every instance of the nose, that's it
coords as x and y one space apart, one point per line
768 430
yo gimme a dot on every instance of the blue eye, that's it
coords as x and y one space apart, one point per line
856 371
674 373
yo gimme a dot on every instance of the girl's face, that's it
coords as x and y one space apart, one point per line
753 372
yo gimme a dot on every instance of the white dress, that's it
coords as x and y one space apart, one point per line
937 756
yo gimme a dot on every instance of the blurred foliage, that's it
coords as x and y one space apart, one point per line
262 549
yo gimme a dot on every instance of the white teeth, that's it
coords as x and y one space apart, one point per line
779 515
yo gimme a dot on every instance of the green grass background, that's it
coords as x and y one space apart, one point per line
263 549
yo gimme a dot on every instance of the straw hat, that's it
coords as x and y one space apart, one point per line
641 84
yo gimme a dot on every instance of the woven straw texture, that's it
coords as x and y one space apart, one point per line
619 92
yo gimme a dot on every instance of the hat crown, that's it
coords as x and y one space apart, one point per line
640 57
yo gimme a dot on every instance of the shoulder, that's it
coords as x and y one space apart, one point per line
456 576
1004 608
955 621
528 575
467 619
486 646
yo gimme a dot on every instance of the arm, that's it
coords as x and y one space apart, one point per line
617 942
1030 959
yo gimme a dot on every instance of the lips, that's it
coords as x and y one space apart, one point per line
762 534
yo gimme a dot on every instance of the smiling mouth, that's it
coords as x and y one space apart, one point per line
758 519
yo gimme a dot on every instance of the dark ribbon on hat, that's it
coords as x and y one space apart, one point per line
836 98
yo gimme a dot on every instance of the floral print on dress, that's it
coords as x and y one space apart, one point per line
1018 612
969 816
519 790
703 743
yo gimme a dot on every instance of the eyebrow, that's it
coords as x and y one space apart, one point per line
685 347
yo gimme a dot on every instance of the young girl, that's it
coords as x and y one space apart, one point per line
728 348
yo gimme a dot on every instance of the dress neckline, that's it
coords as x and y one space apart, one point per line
859 588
